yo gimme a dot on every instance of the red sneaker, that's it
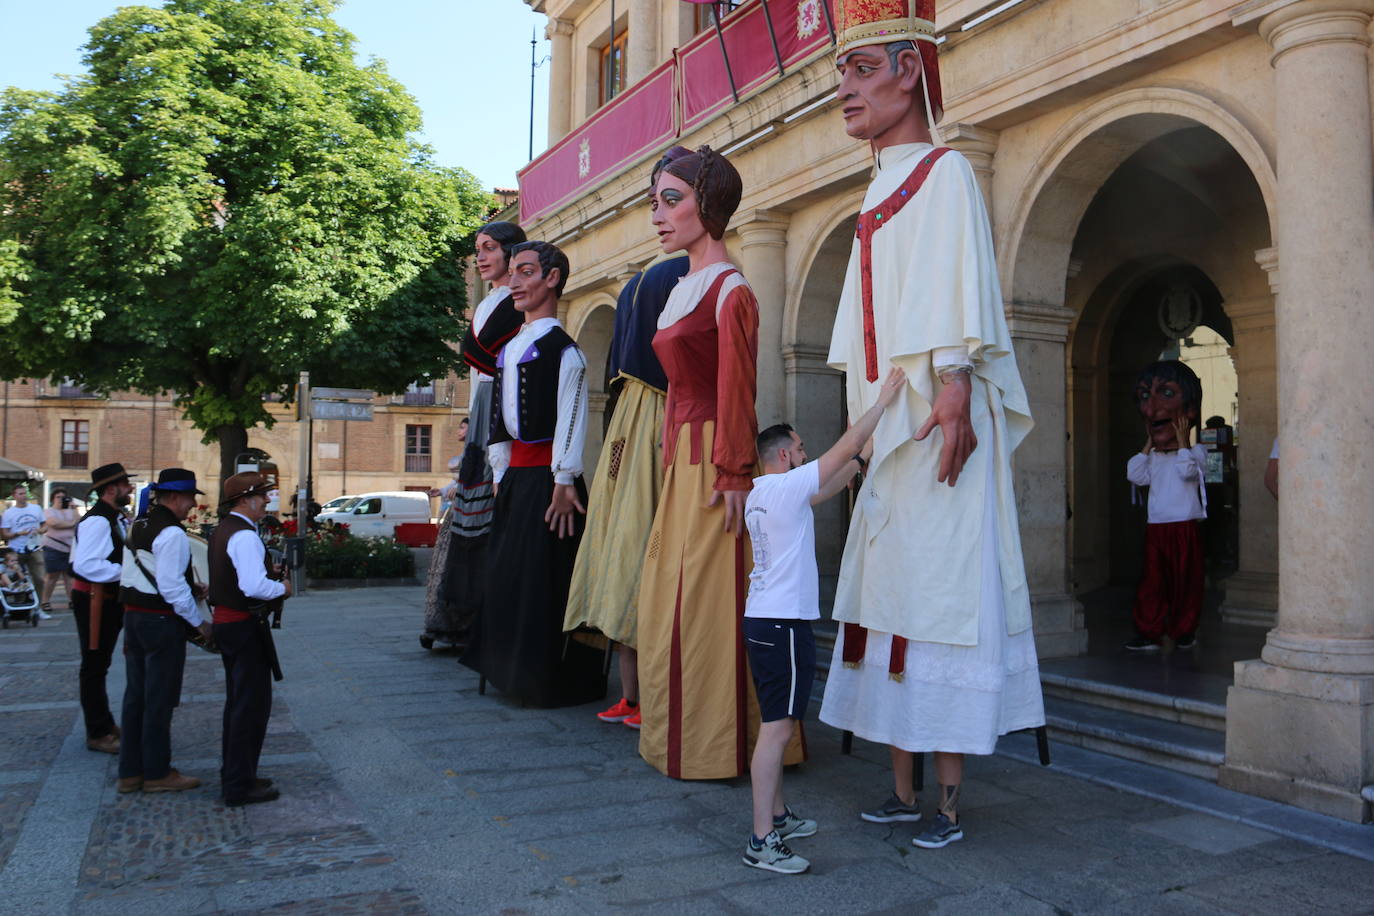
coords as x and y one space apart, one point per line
619 712
634 721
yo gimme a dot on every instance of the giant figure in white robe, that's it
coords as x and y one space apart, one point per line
938 567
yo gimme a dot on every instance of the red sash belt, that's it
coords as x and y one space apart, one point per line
224 614
145 610
856 643
531 454
81 585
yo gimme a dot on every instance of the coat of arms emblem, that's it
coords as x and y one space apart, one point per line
584 158
808 18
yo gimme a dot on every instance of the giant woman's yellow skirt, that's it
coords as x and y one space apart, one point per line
695 692
620 510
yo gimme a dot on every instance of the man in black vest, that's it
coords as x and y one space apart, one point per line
539 425
158 591
97 560
242 581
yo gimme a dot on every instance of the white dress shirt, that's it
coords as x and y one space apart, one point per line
1176 481
570 432
171 555
247 553
93 545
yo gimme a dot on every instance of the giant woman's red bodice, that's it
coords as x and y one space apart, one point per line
711 365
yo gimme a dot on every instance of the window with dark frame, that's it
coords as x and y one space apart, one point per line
76 443
707 12
418 454
612 67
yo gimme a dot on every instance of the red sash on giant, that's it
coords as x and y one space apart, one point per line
869 223
855 636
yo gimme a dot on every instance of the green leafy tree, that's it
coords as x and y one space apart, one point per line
224 199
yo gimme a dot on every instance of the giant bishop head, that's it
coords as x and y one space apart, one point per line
889 65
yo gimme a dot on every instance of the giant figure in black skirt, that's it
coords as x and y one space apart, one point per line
538 428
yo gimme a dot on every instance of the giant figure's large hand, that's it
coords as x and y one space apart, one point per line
734 509
952 414
560 512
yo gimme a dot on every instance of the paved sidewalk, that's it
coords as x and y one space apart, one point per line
406 792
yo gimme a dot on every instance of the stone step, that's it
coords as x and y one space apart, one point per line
1182 696
1184 748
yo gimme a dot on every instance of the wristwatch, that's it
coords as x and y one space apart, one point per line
863 465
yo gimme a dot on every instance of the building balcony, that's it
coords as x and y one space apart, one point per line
757 45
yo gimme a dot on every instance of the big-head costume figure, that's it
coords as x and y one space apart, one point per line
937 649
1168 601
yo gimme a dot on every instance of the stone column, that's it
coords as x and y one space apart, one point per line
560 32
763 261
979 145
1041 474
1300 721
1252 593
643 39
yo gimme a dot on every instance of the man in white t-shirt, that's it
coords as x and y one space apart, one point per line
784 597
23 525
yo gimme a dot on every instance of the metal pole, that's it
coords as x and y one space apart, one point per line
303 472
532 67
773 37
829 20
720 35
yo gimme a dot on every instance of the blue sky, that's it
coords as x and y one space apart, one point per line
466 62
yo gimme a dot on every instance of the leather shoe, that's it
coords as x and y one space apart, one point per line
127 784
172 782
255 796
105 744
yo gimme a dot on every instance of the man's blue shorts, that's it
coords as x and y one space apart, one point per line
782 658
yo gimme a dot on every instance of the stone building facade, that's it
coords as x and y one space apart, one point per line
1208 154
64 433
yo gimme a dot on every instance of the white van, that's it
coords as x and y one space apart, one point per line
378 514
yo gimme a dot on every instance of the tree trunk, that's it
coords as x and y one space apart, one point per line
232 441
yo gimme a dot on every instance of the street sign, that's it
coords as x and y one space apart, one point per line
339 410
342 394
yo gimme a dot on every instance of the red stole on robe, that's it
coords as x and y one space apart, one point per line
855 636
869 223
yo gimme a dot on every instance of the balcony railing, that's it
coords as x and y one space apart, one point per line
418 398
693 86
418 464
76 459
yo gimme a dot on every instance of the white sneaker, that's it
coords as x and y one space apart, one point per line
774 855
43 615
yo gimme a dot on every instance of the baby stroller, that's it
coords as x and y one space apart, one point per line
19 604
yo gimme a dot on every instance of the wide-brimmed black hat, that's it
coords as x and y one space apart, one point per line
108 473
176 480
247 483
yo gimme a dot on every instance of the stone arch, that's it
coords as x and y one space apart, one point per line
814 393
1086 151
836 224
592 325
1064 303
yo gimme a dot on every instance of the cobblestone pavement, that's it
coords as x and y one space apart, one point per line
405 792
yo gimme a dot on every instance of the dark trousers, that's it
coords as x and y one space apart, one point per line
247 704
95 664
154 659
